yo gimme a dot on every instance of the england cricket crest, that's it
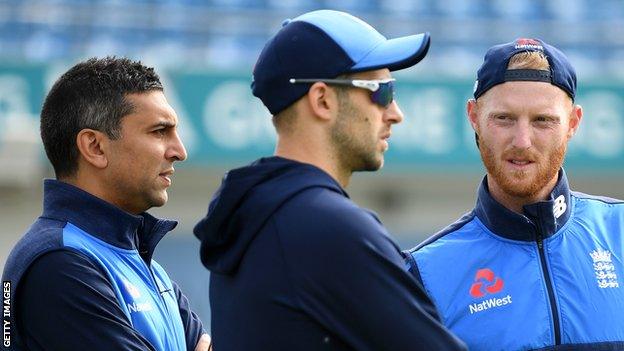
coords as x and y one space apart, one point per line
604 269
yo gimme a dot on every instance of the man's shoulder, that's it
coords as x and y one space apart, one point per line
598 207
323 200
448 234
325 220
597 199
43 235
43 230
59 263
317 208
600 215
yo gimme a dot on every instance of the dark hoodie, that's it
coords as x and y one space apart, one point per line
296 265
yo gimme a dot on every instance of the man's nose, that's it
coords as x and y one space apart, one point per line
177 150
393 113
522 135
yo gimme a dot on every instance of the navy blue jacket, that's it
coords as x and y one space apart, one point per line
550 278
83 278
296 265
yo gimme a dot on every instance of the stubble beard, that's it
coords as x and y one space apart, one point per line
354 154
515 183
141 195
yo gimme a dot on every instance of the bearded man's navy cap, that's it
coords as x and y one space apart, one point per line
325 44
494 69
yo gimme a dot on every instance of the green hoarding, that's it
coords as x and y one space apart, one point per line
223 124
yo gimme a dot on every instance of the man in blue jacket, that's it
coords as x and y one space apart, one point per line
534 265
295 264
82 277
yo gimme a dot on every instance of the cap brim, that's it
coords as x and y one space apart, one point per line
395 54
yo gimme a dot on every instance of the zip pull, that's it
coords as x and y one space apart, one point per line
539 237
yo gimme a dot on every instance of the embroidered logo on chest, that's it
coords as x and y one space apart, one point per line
604 269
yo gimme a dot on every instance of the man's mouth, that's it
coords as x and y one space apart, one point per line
384 138
520 162
166 176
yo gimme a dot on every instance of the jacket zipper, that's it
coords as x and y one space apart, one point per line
169 321
157 289
149 269
154 282
549 288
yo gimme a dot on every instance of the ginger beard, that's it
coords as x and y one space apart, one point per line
522 183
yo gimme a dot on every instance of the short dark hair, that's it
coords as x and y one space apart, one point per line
92 94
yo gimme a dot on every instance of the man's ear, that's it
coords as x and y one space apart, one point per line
575 120
93 146
322 101
471 112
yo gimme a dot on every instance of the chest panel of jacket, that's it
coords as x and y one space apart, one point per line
483 284
145 295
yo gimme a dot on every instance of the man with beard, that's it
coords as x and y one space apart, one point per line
534 265
295 264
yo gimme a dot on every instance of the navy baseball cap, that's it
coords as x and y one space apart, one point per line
494 69
325 44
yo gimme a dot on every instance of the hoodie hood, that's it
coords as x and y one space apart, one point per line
246 199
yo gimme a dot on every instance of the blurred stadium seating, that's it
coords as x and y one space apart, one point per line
230 33
205 50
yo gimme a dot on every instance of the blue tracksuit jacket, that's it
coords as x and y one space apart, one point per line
83 278
296 265
552 278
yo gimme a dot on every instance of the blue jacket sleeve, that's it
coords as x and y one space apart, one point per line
350 276
193 328
65 302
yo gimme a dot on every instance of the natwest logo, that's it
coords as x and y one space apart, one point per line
486 283
132 290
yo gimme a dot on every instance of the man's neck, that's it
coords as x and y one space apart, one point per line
93 186
323 159
516 203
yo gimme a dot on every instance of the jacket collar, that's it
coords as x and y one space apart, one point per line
65 202
543 218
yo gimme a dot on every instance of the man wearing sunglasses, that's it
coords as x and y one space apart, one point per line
295 264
